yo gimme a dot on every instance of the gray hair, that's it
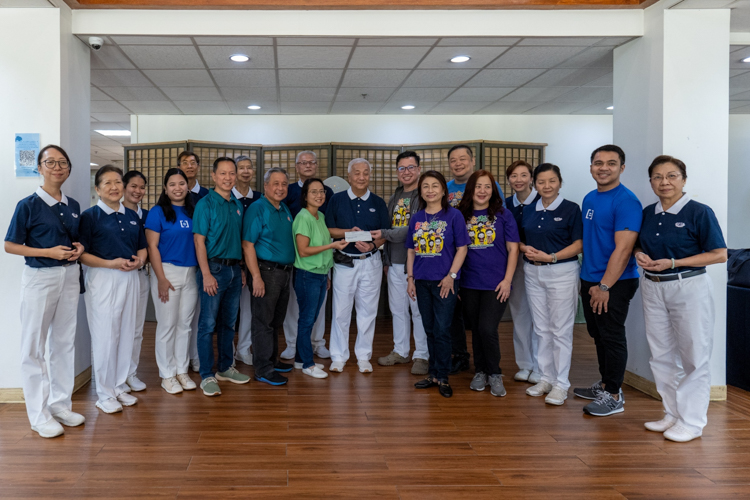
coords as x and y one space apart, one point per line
274 170
355 162
243 158
306 153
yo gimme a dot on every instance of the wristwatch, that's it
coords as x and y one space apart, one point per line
603 287
453 275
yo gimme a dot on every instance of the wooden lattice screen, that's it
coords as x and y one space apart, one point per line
285 157
209 151
153 161
497 156
435 156
383 178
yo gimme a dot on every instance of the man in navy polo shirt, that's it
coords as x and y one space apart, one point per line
268 246
609 276
358 269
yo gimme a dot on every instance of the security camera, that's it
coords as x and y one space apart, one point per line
95 42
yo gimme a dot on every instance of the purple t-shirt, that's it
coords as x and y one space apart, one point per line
487 258
435 238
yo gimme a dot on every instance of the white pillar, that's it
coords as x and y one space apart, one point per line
44 88
671 95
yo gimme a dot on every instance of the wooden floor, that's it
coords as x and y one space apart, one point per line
355 436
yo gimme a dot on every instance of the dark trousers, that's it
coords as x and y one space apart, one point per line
458 330
483 313
311 290
268 316
608 330
436 315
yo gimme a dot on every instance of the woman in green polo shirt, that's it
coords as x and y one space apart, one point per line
313 260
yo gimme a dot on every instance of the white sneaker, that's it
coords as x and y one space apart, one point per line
195 365
110 405
288 353
299 366
171 385
556 396
364 366
522 375
539 389
69 418
535 378
126 399
245 357
337 366
322 352
49 429
186 382
315 371
135 383
661 425
680 434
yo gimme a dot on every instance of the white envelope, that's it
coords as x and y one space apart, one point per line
354 236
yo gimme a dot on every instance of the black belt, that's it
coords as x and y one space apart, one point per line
672 277
276 265
536 263
225 262
361 256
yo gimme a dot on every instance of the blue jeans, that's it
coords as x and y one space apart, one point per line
437 316
311 290
219 314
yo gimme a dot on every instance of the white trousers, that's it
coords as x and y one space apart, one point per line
174 319
111 308
680 331
244 339
49 309
193 344
524 339
400 303
357 286
292 318
552 292
140 318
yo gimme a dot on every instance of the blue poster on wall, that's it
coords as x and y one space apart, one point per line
27 149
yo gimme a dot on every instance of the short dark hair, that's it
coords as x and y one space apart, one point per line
186 154
133 173
52 146
103 170
221 159
459 146
547 167
306 188
518 163
435 175
612 149
662 159
166 204
408 154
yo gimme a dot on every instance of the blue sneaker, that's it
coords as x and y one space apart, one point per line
272 379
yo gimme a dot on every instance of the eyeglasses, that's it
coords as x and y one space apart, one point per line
671 177
50 164
308 163
189 164
407 168
317 192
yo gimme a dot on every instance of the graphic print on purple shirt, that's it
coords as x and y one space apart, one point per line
434 238
487 258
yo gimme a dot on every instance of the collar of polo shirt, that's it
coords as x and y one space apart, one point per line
551 207
239 196
674 209
139 212
48 199
528 199
300 183
197 187
353 196
108 210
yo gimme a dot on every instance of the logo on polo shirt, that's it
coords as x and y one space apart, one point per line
75 216
372 210
558 219
238 212
679 224
590 214
133 222
184 223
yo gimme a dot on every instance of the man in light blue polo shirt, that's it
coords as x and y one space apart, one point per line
268 246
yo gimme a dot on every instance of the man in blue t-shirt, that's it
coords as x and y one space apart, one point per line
609 276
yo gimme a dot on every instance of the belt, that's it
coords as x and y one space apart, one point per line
536 263
225 262
672 277
361 256
70 263
276 265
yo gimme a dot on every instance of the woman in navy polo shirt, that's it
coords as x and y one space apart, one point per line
554 237
487 274
115 248
174 289
437 245
679 238
135 187
44 230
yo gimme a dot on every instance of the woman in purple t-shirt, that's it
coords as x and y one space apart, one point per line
436 244
487 274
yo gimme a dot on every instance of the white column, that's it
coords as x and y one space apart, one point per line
671 95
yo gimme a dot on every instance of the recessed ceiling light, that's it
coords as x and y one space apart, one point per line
253 107
239 58
408 106
611 108
747 59
114 133
94 164
460 59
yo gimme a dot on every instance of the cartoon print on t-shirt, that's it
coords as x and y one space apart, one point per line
429 237
481 232
401 215
455 198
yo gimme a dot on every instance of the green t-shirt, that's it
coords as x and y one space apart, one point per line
315 229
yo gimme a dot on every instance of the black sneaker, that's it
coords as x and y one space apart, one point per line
589 392
459 364
272 379
282 367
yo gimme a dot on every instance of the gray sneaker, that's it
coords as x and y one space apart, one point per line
589 392
496 385
393 358
479 382
420 366
232 375
604 405
210 387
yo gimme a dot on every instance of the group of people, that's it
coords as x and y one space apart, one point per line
454 254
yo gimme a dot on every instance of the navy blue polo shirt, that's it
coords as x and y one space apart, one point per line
220 221
368 213
516 208
142 214
294 195
198 193
252 197
270 230
688 228
36 223
110 234
553 228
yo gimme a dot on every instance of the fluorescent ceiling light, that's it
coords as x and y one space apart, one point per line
408 106
460 59
747 59
253 107
114 133
611 108
239 58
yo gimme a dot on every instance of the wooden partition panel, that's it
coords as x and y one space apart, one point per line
496 156
153 161
383 178
209 151
284 156
434 156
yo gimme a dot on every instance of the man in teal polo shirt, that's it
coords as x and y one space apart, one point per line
217 222
268 246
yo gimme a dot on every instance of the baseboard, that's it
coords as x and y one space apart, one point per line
718 392
16 395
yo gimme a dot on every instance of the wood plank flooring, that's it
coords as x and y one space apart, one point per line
374 436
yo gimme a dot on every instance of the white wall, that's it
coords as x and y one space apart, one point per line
570 138
738 222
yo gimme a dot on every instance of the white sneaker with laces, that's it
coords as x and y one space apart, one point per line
288 353
49 429
680 434
69 418
661 425
337 366
299 366
535 377
126 399
364 366
539 389
135 383
171 385
556 396
315 372
110 405
322 352
186 382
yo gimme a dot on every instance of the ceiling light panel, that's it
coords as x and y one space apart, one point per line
439 57
217 56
